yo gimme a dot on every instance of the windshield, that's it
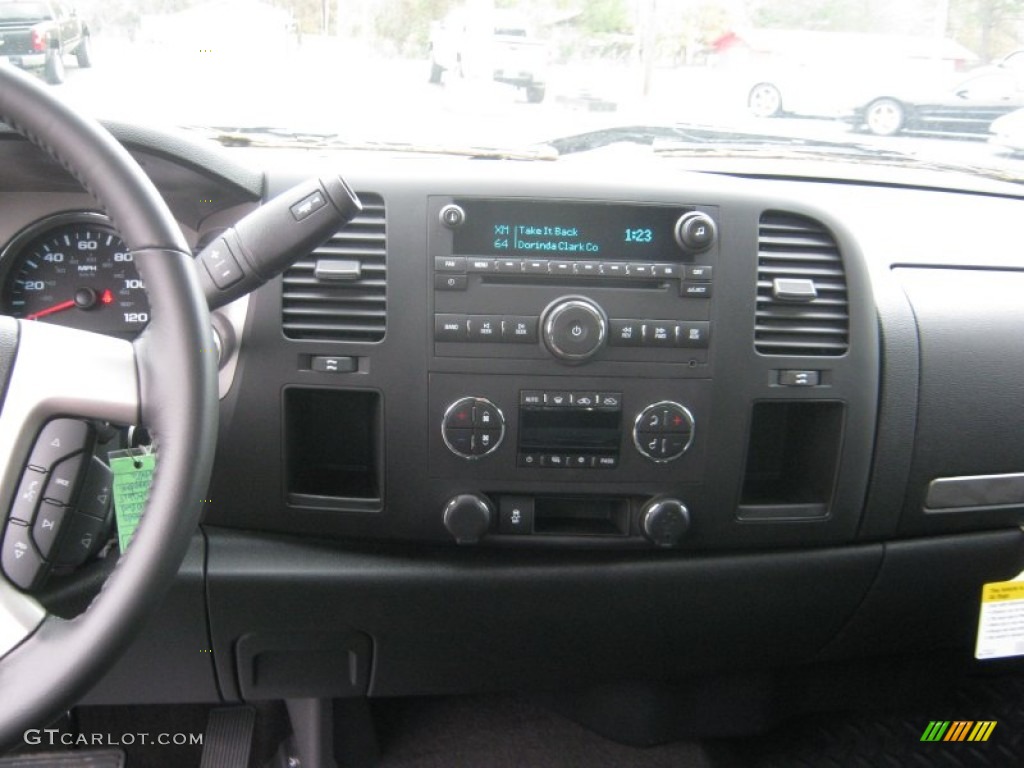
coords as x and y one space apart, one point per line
937 83
17 11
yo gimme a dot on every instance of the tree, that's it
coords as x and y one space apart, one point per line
991 28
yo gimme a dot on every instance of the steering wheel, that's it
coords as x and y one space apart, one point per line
165 379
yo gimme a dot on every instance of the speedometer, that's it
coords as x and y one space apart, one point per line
74 270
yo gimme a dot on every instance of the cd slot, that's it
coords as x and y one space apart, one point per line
574 280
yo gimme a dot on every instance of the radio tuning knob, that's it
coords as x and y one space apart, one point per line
468 517
695 231
574 329
664 521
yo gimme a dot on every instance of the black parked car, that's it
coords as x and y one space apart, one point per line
37 35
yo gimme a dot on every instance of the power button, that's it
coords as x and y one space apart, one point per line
574 329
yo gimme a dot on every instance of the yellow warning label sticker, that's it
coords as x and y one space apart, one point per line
1001 621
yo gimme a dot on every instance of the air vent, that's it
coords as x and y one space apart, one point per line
802 307
348 300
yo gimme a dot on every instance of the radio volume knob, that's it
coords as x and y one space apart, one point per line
664 521
574 329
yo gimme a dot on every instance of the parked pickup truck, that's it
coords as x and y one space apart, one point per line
496 45
37 35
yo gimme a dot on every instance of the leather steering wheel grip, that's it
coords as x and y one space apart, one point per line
54 666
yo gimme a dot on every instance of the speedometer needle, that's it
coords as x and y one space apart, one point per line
51 310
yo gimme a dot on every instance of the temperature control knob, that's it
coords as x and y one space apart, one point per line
574 329
664 521
468 517
695 231
473 427
663 431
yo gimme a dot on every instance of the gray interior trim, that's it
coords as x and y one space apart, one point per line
975 491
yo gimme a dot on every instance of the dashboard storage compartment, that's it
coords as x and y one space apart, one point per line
303 664
792 460
332 448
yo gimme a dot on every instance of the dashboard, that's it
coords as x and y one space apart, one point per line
522 424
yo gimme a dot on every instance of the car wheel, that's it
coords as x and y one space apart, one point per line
165 380
885 117
53 70
765 100
436 73
535 93
84 52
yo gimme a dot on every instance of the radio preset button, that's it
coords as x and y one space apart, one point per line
640 270
561 268
588 268
508 265
535 267
613 268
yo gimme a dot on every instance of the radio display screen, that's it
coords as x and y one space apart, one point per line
568 230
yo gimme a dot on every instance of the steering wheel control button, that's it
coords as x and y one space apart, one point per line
473 427
63 480
47 526
83 537
97 490
574 329
468 517
695 231
515 515
21 561
220 264
663 431
30 493
452 216
59 439
664 522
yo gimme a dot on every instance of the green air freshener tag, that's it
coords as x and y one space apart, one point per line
133 473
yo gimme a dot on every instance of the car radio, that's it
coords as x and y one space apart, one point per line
577 281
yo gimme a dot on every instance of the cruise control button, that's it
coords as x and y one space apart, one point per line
485 328
59 439
220 264
30 492
625 333
451 328
21 562
47 527
64 480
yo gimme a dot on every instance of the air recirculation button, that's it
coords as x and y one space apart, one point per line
473 427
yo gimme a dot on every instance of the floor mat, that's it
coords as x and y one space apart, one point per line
105 759
887 741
